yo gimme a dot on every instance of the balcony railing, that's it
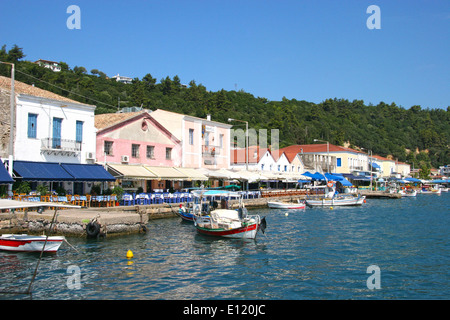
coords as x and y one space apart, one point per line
55 144
210 151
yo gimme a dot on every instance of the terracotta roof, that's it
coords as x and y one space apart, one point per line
291 151
102 121
23 88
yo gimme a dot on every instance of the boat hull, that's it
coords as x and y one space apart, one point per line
282 205
25 243
185 216
247 232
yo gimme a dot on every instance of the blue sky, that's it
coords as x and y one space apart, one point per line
303 49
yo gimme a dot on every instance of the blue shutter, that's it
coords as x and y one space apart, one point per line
79 133
32 122
56 133
338 162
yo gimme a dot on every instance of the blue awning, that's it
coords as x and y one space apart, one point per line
5 178
413 180
375 165
52 171
87 172
41 171
339 178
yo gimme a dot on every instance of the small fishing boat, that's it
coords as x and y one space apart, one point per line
408 193
286 205
429 189
204 201
29 243
230 224
330 198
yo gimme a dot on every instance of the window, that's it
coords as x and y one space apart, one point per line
32 122
285 168
108 148
150 152
338 162
168 153
191 136
279 167
221 140
79 131
206 138
135 150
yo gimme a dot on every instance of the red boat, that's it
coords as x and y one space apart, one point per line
28 243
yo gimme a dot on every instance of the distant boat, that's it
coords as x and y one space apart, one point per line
286 205
408 193
428 189
330 198
28 243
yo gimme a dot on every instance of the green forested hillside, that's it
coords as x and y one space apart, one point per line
417 136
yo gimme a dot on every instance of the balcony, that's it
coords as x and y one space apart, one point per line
210 151
60 146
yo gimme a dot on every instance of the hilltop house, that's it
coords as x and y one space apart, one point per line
52 65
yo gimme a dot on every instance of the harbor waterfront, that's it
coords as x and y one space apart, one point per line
316 253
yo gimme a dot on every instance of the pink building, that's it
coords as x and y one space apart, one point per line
160 149
204 143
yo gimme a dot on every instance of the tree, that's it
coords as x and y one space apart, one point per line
15 54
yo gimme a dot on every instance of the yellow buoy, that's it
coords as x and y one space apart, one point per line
331 208
129 254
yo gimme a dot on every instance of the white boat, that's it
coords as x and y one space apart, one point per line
427 189
408 193
330 198
29 243
348 200
286 205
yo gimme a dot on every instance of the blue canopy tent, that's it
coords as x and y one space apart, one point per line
339 178
318 176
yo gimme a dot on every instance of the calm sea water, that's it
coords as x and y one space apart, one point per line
309 254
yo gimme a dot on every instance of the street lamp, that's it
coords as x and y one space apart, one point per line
11 130
328 153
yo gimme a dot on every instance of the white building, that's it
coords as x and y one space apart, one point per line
126 80
51 129
52 65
